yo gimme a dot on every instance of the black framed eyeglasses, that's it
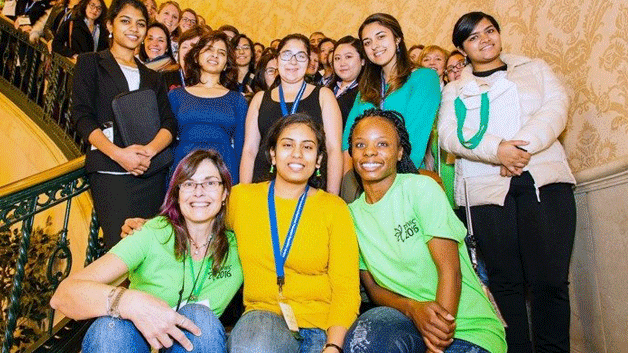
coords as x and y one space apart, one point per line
287 56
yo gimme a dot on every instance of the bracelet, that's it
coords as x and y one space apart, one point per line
112 305
109 297
333 345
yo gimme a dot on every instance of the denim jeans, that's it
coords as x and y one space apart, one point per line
108 334
262 331
385 329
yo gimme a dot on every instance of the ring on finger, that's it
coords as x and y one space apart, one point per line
182 321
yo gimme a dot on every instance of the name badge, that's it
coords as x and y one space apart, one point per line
202 302
23 21
107 130
288 315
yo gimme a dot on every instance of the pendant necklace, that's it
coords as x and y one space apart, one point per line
198 247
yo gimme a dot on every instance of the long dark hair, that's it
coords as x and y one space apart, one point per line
79 12
228 77
405 165
371 81
354 42
171 210
270 143
234 43
144 55
259 81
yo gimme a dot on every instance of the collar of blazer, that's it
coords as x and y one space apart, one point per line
109 63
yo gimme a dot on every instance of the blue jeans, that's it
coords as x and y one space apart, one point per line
385 329
262 331
108 334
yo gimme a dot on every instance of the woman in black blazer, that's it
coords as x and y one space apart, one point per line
84 32
119 188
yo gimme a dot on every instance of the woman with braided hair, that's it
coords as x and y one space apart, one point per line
413 260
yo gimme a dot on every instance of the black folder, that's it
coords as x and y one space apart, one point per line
137 118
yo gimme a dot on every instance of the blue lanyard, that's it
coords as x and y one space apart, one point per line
382 92
295 104
28 7
282 255
182 78
338 92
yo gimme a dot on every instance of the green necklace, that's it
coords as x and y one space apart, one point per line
194 293
461 115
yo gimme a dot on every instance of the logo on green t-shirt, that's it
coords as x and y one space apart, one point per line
407 230
225 272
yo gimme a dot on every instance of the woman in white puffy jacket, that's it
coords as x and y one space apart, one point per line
502 120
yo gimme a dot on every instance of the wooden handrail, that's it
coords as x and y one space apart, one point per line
39 178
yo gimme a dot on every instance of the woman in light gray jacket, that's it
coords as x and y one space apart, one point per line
502 120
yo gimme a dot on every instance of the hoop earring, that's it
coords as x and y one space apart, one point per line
272 169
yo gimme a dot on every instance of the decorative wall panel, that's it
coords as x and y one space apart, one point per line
586 42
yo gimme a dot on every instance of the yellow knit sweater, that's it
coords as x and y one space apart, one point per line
322 280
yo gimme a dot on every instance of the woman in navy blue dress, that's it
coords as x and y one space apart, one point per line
210 115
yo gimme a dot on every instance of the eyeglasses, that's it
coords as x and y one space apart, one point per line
189 20
459 66
210 185
270 71
287 56
243 47
95 7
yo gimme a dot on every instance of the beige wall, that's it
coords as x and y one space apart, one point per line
584 41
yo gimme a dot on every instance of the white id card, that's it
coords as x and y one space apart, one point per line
288 315
108 131
23 21
202 302
9 8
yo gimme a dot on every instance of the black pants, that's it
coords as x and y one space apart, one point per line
527 246
118 197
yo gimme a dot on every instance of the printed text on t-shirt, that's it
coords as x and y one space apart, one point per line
406 230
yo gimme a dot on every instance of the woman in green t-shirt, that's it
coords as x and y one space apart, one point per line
413 260
183 268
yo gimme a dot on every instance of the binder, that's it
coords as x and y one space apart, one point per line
136 115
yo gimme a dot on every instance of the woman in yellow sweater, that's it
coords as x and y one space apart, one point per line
298 250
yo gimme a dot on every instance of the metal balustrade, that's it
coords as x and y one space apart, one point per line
40 83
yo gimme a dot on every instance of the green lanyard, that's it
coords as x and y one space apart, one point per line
461 115
196 290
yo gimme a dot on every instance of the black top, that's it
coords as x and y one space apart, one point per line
81 41
172 79
269 112
98 79
345 102
490 72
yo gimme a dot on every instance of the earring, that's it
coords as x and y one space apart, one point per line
111 36
272 168
318 172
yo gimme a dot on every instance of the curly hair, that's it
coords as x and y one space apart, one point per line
228 77
405 165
